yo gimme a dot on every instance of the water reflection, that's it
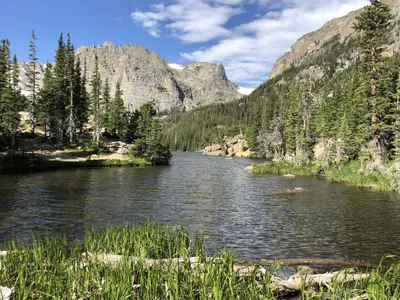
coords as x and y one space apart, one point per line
237 210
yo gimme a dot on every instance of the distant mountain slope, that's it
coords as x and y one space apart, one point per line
313 43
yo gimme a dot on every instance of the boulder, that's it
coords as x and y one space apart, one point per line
244 154
249 169
289 176
214 150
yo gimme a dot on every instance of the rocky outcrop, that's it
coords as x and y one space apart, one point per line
313 42
233 146
214 150
23 76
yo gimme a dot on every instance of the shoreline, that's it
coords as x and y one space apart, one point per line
64 159
349 174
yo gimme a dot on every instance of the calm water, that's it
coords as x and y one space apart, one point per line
241 211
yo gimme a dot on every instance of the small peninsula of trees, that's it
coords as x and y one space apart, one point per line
73 107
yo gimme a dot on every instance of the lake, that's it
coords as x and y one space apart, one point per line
250 214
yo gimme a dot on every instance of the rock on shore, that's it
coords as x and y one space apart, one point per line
233 146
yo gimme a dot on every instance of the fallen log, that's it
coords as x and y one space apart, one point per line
294 262
297 282
115 259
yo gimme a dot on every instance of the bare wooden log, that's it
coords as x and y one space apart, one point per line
291 262
115 259
297 282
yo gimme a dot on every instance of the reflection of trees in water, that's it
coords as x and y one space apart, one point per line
340 221
47 203
8 196
123 195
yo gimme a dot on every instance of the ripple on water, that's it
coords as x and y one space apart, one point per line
237 210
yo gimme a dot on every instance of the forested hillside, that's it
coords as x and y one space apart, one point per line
339 104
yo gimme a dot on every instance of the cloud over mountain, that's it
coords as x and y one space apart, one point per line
247 36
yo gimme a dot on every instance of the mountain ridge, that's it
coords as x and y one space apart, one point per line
146 77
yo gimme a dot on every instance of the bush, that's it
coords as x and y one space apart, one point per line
157 154
17 161
96 148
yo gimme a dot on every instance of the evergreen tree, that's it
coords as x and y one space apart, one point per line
11 99
82 107
373 24
33 80
118 113
148 144
96 103
396 124
132 126
106 102
78 94
59 114
73 89
46 98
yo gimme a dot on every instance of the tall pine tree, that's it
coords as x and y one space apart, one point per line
374 25
33 81
96 103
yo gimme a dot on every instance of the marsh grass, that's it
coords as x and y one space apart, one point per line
283 168
348 174
53 268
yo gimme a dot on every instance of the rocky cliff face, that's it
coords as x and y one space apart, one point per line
313 43
23 76
146 77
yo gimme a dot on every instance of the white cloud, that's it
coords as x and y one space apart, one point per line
248 50
190 21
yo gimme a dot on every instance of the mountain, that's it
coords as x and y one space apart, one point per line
144 76
314 43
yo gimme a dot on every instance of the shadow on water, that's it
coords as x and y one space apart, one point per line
247 213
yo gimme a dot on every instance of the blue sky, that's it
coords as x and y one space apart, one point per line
247 36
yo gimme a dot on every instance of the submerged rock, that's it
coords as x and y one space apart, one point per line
295 190
249 169
289 176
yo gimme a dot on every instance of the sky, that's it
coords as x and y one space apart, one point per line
246 36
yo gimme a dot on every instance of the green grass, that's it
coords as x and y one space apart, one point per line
53 268
284 168
348 174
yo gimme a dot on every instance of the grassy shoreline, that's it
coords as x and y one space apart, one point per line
52 268
348 174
